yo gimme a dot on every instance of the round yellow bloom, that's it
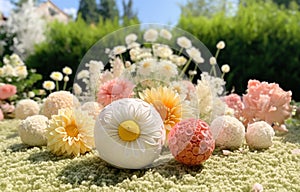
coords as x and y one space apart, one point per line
56 76
167 102
49 85
70 133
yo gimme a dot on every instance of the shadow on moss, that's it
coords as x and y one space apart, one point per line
12 136
44 156
293 136
96 172
18 147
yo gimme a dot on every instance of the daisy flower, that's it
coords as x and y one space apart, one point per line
166 69
129 133
56 76
150 35
70 133
184 42
195 54
146 66
220 45
165 34
113 90
67 70
49 85
119 50
167 102
131 38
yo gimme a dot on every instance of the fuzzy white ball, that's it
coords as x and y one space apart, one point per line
228 132
32 130
259 135
93 108
26 108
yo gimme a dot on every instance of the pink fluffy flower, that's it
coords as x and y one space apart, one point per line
113 90
7 91
267 102
7 108
1 115
234 101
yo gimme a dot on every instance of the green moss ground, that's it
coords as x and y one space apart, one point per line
26 168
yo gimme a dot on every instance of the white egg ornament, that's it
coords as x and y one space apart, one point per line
259 135
129 133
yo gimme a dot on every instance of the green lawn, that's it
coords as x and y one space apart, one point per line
26 168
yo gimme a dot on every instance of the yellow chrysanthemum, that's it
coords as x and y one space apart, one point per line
167 102
71 132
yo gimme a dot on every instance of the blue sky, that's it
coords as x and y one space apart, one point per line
149 11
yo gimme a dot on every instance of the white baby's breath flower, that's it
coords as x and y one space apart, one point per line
167 69
21 71
220 45
225 68
66 79
150 35
77 90
192 72
146 66
212 61
67 70
195 54
56 76
130 38
9 71
165 34
15 60
6 61
49 85
184 42
83 74
119 50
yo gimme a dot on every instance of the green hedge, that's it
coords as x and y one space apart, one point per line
66 45
262 42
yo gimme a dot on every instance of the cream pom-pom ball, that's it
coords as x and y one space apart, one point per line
26 108
129 133
93 108
59 100
228 132
32 130
259 135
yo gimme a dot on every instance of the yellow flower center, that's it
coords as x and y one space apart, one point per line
145 65
72 129
129 130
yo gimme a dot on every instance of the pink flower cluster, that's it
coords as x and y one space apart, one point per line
6 91
263 102
113 90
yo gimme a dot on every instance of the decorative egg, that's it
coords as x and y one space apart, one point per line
259 135
129 133
228 132
191 142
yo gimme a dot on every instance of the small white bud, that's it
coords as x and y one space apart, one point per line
212 61
66 79
225 68
221 45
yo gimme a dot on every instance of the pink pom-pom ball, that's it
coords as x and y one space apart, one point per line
191 142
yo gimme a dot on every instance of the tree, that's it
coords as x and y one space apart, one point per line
128 13
108 9
88 11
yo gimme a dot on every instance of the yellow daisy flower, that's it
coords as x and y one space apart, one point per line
70 132
167 102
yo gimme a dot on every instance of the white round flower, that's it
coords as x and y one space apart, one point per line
67 70
95 66
220 45
166 68
49 85
129 133
66 79
133 45
150 35
146 66
93 108
56 76
259 135
225 68
26 108
83 74
9 71
130 38
31 94
162 51
228 132
165 34
212 61
178 60
184 42
33 130
195 54
119 50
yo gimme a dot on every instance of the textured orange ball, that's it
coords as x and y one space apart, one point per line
191 142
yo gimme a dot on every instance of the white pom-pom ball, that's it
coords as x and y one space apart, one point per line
259 135
26 108
228 132
129 133
93 108
32 130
